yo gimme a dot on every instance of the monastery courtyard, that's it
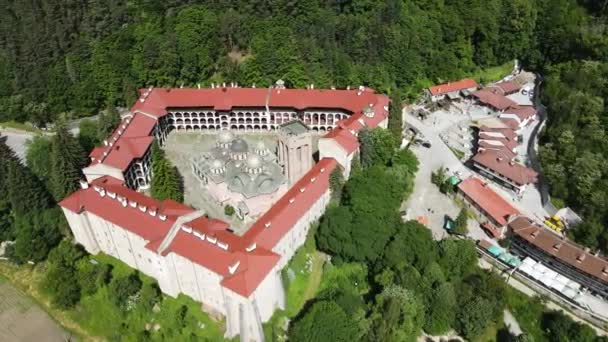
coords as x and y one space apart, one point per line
181 147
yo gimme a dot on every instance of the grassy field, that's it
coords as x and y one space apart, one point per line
306 266
99 316
20 126
96 318
492 74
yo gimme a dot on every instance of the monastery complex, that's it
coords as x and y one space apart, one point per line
235 276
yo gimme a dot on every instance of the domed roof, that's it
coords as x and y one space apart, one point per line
225 137
239 146
254 161
216 164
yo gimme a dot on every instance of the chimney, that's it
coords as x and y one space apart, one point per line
232 269
211 239
322 169
557 246
267 224
313 179
133 204
162 217
302 189
581 257
187 229
251 247
142 208
535 234
291 200
152 211
222 245
105 142
124 202
84 184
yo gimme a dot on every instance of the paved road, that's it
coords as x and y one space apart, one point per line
21 320
427 200
16 140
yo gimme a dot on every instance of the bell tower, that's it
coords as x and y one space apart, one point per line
295 150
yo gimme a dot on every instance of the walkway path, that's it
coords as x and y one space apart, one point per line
511 323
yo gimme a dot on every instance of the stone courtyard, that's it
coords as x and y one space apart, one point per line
181 147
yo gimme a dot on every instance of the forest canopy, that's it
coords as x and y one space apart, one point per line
80 56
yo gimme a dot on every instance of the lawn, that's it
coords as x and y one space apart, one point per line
458 153
96 318
301 279
19 126
492 74
177 319
528 312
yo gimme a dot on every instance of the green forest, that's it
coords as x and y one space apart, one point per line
79 56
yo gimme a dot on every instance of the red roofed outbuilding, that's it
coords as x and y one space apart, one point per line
487 203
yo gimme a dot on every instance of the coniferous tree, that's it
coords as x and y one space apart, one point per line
166 182
108 121
67 160
26 192
395 117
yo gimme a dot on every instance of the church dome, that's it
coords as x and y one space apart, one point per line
254 161
225 137
239 146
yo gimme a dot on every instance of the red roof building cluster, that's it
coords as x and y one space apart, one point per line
442 89
131 139
492 99
486 200
207 241
505 88
503 163
560 248
243 262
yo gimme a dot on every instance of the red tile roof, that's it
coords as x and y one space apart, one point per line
130 140
445 88
511 123
504 165
158 100
506 132
496 141
560 248
496 101
292 206
484 197
505 87
130 218
522 112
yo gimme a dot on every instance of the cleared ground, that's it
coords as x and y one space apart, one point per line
21 320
